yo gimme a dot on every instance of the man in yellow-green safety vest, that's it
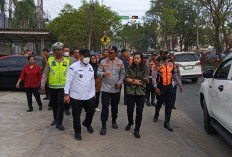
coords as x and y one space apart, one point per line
55 71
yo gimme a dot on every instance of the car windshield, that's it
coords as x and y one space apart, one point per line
186 57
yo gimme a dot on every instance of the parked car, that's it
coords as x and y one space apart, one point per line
190 65
11 68
216 98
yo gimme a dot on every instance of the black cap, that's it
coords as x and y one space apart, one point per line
45 49
113 48
163 51
85 52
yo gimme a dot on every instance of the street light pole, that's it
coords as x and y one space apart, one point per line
197 46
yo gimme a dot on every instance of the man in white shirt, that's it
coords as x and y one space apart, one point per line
79 90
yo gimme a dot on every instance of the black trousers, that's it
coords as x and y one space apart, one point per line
166 96
139 101
57 104
150 91
106 97
35 92
97 99
77 105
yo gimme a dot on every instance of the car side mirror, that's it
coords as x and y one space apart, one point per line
208 74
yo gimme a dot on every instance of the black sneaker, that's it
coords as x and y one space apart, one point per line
114 125
30 110
60 127
103 131
127 128
78 136
67 113
89 128
136 133
168 127
40 107
174 107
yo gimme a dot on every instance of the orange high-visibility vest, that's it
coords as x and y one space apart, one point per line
165 74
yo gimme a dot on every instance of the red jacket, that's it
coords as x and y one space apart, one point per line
31 77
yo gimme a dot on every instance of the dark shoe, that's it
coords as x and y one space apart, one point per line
67 113
40 107
155 119
103 131
152 103
168 127
114 125
46 98
89 128
127 128
148 103
60 127
49 108
78 136
174 107
30 110
136 133
53 123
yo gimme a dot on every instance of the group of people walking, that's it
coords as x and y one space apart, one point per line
80 83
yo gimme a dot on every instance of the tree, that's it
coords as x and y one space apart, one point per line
139 36
219 12
71 25
176 20
25 14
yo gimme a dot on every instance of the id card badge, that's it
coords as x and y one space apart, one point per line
53 63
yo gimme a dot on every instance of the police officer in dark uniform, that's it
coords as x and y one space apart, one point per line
162 77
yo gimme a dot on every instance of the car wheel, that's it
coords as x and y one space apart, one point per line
194 80
208 127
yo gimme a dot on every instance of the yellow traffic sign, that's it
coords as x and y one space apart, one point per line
105 40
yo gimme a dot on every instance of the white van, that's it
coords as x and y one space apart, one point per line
189 64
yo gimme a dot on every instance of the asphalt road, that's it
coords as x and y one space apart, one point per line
30 134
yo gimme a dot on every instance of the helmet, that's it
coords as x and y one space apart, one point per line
58 46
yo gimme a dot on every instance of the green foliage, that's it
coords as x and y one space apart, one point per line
139 36
71 25
25 14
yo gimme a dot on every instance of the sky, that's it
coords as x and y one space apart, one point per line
122 7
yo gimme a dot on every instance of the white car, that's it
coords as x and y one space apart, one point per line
189 64
216 99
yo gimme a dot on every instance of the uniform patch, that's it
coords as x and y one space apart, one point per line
64 63
53 63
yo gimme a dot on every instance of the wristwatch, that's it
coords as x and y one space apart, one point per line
66 94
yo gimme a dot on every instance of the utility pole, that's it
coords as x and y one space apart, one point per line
10 14
197 44
40 14
90 23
